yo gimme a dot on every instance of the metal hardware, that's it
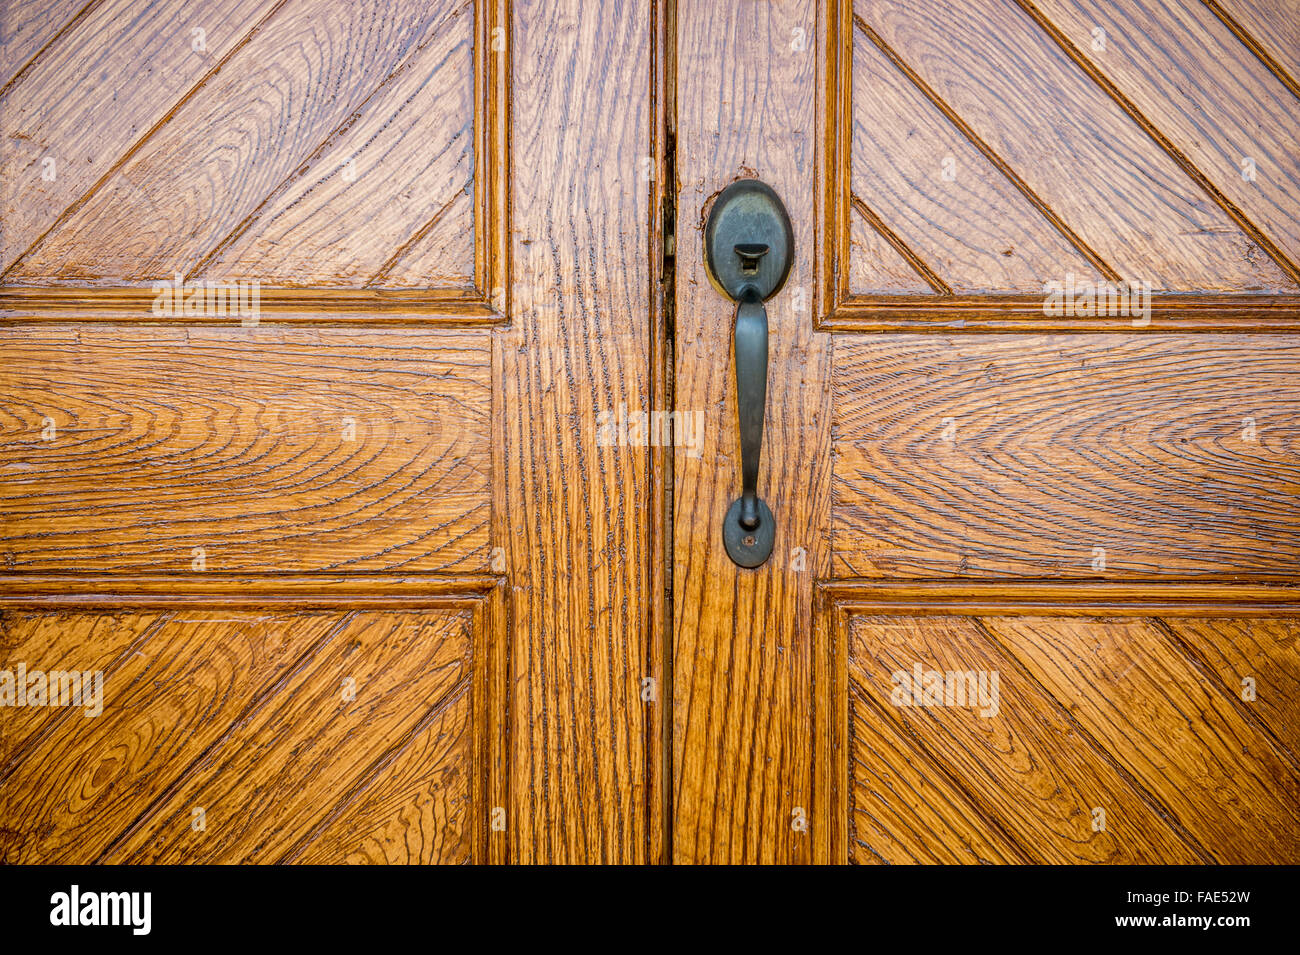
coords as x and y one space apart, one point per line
749 247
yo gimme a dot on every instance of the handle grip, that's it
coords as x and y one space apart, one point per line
751 397
749 246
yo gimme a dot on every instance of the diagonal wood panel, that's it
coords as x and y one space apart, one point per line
1271 28
1263 651
878 264
72 794
40 641
1179 71
904 808
1075 150
940 195
309 79
1193 772
92 97
417 812
315 742
1190 744
249 716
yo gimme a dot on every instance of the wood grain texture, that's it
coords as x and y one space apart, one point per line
93 97
1212 768
386 202
1265 651
742 660
1028 768
903 808
875 264
270 448
573 513
417 812
1208 101
29 26
992 67
1019 455
311 745
975 230
38 641
1271 28
258 153
245 712
74 793
1148 694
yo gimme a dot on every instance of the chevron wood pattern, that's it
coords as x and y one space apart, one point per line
1149 141
234 733
342 154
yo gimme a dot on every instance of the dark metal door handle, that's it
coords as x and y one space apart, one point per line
749 247
751 398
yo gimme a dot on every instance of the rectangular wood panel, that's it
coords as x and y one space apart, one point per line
128 449
1066 723
235 734
1153 176
337 153
1070 456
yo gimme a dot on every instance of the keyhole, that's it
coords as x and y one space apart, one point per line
750 253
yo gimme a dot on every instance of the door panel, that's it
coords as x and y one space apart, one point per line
252 174
206 711
1080 503
1089 164
1107 737
128 448
362 579
1066 455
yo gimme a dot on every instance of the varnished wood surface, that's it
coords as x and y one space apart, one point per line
1271 30
173 205
573 515
1203 97
1124 697
515 680
1029 772
271 449
39 640
218 709
976 233
330 151
31 25
338 479
1120 193
85 112
419 812
1135 155
742 662
1021 456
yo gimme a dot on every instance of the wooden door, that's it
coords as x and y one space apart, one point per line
364 573
329 531
977 475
